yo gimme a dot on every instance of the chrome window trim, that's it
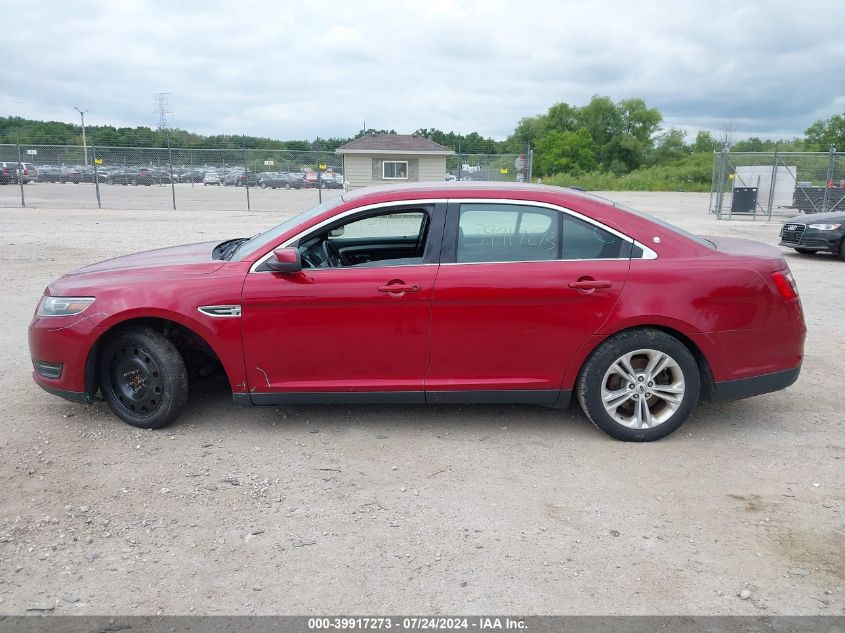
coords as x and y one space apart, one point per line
648 253
339 216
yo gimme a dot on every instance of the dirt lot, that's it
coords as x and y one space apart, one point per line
401 509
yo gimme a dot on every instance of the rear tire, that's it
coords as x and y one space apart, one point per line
639 385
143 378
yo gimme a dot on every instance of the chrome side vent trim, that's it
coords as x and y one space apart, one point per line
221 311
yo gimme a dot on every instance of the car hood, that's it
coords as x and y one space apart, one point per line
835 217
195 258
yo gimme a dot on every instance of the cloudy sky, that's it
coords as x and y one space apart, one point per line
305 69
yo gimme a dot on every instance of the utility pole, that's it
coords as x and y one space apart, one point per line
84 145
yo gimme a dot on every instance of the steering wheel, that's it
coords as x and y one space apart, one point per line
333 257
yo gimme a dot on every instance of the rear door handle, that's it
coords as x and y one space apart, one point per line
399 287
590 284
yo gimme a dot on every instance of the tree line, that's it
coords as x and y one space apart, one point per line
614 139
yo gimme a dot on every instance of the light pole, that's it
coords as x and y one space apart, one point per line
84 145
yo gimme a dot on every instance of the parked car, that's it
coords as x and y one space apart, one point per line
331 183
195 175
123 176
59 174
14 172
138 176
239 178
280 180
29 173
438 292
211 178
88 174
9 173
816 233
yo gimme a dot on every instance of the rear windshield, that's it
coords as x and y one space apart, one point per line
663 223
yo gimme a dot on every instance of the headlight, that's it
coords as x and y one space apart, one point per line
63 306
824 227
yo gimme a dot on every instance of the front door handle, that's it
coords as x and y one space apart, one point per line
399 287
589 284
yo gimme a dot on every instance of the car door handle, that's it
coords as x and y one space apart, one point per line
590 284
399 287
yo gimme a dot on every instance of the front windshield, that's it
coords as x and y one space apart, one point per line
253 243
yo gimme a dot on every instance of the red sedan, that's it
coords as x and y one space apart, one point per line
447 293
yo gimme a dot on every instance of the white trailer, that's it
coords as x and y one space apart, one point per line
760 176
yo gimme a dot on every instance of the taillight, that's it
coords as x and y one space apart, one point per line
785 284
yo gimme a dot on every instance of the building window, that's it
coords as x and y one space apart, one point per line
395 170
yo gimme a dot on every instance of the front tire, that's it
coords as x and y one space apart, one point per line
842 249
805 251
639 385
143 378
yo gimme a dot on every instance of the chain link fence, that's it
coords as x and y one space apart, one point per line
763 184
93 176
162 178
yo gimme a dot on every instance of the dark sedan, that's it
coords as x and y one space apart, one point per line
280 180
815 233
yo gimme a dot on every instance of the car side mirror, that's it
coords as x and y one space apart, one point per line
285 260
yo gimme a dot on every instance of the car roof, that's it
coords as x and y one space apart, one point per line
469 189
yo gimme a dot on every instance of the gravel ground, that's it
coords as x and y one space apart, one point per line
400 509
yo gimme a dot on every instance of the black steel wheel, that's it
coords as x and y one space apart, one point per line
143 378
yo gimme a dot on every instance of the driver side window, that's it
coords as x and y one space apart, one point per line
394 238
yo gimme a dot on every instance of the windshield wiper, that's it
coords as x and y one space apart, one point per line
224 250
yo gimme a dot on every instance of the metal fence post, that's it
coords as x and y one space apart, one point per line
246 179
720 185
530 162
772 182
96 176
828 180
170 167
460 161
20 175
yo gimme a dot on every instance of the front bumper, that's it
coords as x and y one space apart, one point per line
66 343
812 240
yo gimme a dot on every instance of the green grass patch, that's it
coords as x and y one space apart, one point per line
692 173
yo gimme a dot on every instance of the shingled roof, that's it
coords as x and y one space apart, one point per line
393 144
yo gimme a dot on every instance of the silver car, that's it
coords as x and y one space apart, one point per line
211 178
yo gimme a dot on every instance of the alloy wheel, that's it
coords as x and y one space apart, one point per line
643 389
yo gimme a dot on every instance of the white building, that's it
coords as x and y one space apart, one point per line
382 159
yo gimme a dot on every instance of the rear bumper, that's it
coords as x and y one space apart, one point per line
754 386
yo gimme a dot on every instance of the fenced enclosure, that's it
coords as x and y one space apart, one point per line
94 176
763 184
